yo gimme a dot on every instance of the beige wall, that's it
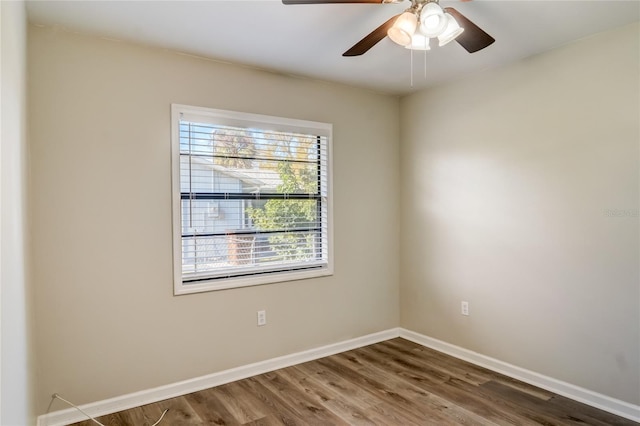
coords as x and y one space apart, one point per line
507 177
16 354
107 322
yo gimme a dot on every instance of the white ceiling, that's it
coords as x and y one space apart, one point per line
308 40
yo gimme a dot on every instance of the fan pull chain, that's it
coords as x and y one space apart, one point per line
425 64
411 68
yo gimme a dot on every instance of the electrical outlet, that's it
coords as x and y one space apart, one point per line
262 318
464 308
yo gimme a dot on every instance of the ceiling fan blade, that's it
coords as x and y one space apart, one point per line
328 1
371 39
473 38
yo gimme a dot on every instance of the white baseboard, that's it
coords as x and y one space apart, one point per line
125 402
594 399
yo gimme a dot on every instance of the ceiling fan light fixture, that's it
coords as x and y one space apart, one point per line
403 28
432 20
419 42
451 31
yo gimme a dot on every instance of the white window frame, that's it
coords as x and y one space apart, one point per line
266 122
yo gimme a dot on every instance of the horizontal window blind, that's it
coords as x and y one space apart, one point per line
253 199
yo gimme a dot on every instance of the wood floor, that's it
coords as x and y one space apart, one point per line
395 382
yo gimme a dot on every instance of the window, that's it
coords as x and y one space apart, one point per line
251 199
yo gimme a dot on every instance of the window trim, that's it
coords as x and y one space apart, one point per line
266 122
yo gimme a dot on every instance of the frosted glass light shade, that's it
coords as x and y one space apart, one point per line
432 20
403 29
451 31
419 42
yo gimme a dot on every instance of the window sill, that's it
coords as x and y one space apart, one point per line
181 288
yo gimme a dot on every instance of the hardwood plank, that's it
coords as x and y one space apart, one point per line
272 402
387 413
462 394
582 412
449 413
396 382
465 395
211 410
180 413
342 387
306 384
243 406
115 419
297 400
265 421
431 362
436 409
463 369
531 407
350 410
407 364
368 400
371 384
349 413
393 390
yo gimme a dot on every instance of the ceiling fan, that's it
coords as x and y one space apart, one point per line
421 21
